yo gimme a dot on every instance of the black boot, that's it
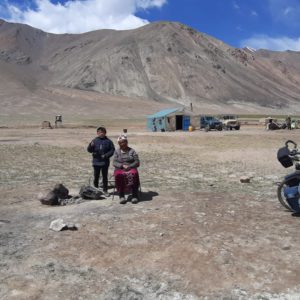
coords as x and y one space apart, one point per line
134 198
122 198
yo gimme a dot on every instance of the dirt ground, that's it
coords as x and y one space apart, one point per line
198 233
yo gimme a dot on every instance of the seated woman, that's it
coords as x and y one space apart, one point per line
126 162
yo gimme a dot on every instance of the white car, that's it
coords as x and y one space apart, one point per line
230 121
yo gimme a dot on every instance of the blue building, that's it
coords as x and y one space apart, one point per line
169 120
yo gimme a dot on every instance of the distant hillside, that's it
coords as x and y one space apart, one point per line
160 61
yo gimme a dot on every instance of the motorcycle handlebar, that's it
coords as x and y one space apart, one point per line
291 142
293 152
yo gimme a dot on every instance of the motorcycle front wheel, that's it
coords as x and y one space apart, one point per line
281 196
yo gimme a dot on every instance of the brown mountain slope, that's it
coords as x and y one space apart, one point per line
160 61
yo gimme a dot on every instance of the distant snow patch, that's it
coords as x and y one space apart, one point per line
250 49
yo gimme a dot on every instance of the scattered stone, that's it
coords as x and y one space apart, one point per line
57 225
287 247
54 196
245 179
161 234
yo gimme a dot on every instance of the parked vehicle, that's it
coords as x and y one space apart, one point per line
272 124
288 191
209 123
295 124
230 122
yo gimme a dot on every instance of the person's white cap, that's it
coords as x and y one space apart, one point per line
122 137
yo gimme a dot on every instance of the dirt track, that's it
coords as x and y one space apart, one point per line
198 233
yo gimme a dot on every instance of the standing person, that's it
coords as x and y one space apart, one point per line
126 162
288 123
102 149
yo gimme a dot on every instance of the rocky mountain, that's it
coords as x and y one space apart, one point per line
160 61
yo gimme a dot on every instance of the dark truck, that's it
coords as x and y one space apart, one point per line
210 122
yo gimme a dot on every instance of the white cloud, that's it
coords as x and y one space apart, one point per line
77 16
150 3
276 44
235 5
285 11
254 13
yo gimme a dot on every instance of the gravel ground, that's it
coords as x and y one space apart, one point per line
198 233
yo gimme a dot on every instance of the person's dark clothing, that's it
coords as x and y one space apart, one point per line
102 149
288 123
104 172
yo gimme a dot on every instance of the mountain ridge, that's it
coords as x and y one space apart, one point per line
162 61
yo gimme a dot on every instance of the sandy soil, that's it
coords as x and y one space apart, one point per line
198 233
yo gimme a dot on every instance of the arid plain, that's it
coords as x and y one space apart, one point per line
198 233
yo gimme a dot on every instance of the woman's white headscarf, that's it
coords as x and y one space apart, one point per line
122 137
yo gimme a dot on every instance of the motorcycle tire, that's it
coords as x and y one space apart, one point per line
281 197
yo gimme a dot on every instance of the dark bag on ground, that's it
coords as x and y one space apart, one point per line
61 191
284 158
90 193
54 196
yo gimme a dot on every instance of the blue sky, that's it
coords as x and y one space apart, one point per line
269 24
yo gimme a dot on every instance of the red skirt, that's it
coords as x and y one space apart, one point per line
127 181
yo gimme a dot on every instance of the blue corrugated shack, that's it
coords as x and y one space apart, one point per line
169 120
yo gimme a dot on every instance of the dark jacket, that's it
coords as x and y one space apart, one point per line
102 149
129 158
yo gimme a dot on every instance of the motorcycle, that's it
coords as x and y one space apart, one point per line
288 190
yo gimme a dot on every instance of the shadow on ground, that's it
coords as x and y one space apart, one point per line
147 196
